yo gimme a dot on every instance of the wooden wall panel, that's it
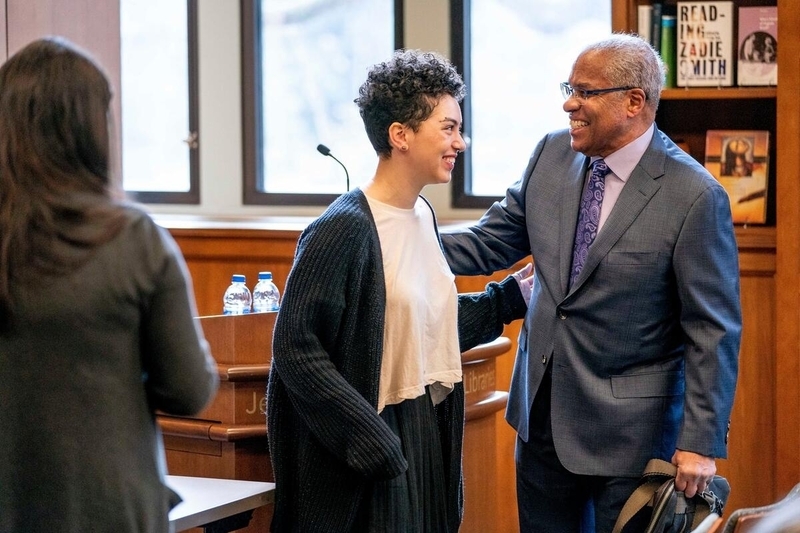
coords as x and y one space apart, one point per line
752 439
92 25
788 250
213 256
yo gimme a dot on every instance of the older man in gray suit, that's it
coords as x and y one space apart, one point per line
629 350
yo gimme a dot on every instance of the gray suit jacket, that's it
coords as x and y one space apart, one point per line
645 344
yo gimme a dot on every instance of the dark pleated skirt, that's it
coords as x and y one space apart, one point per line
414 502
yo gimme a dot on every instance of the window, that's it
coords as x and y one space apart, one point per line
303 63
159 101
513 54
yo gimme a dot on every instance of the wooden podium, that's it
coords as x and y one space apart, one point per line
483 404
229 438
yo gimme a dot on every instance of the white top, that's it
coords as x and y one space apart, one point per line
420 339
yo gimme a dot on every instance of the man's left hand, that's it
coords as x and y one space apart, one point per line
695 472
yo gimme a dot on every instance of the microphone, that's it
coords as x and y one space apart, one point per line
324 150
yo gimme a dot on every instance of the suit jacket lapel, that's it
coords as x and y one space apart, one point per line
570 205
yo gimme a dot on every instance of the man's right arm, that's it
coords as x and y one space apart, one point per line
500 238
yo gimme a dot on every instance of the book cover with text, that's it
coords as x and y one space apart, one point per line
757 55
705 44
739 160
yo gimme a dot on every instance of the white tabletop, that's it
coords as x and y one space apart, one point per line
208 499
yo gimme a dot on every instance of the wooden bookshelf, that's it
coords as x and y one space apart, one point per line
722 93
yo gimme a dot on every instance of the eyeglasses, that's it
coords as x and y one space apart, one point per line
568 91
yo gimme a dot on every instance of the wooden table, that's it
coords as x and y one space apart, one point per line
217 505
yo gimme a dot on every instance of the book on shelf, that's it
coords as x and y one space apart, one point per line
669 48
705 44
649 21
657 10
644 17
656 25
758 46
739 160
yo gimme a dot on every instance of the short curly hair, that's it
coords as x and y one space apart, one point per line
405 89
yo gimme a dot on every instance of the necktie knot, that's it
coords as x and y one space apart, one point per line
600 169
589 216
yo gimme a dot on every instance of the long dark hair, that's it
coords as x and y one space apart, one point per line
56 199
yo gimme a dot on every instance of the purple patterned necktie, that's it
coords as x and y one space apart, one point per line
589 217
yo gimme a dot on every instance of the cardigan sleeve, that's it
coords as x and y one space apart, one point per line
481 315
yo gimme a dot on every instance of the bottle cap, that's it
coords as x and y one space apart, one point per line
238 277
265 275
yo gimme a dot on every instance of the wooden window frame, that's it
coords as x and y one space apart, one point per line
252 134
192 196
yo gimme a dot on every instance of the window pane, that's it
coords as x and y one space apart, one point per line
315 55
155 95
520 52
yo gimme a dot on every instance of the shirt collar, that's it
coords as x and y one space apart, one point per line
623 161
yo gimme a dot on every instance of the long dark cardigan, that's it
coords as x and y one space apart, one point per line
327 441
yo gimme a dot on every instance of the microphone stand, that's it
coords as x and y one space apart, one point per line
324 150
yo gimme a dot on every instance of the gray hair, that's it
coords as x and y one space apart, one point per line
630 61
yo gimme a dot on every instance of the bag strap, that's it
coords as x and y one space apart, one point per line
661 468
656 473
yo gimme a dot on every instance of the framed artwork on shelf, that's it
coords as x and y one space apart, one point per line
739 160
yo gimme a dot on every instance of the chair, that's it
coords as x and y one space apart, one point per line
782 516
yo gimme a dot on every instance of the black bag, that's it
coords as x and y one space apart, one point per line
656 507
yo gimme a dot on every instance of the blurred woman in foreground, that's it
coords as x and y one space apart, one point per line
96 313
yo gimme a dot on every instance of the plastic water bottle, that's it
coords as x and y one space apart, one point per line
265 294
237 297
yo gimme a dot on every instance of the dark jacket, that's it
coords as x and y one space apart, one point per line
93 355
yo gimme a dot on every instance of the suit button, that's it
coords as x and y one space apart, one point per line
562 315
544 359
